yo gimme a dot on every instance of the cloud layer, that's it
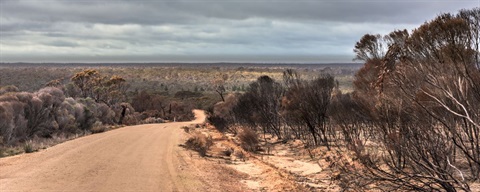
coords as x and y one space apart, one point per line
202 30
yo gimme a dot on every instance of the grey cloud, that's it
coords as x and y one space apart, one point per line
110 46
61 43
191 11
107 12
203 29
27 25
56 34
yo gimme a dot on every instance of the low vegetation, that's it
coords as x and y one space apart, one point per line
48 101
200 143
248 139
90 102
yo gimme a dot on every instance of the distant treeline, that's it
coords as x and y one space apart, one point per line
188 65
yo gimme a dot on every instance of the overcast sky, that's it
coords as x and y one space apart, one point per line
202 30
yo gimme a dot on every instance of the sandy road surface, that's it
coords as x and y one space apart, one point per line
135 158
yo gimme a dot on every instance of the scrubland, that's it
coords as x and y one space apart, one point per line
56 102
408 119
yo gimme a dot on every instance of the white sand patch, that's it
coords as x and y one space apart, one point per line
247 167
251 169
302 168
254 185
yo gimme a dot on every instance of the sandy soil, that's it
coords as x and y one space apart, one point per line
257 174
134 158
279 167
314 174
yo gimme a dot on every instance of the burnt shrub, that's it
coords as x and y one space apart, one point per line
248 139
220 123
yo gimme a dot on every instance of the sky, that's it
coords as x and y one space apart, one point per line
277 31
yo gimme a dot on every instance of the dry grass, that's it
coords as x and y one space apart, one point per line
10 151
36 144
28 147
199 142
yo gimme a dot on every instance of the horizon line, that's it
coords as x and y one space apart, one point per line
178 62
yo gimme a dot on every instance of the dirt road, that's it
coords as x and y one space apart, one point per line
135 158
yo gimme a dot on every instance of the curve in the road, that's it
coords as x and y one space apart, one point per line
134 158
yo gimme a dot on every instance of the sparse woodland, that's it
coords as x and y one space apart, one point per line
412 122
42 102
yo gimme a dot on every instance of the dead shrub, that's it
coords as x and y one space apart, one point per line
228 152
220 123
186 129
200 143
248 139
239 155
98 127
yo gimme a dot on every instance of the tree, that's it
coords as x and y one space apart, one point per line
145 101
222 116
442 78
86 81
219 84
260 106
423 111
306 104
8 89
370 47
100 88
